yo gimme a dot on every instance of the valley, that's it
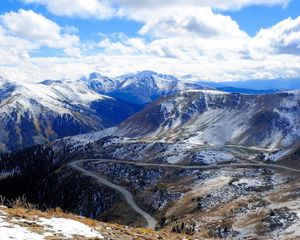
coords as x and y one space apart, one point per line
246 184
188 160
149 120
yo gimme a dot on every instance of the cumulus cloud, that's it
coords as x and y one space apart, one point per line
39 30
282 38
12 49
77 8
215 4
190 37
102 9
191 34
200 22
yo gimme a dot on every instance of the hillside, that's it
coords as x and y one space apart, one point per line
216 118
23 224
36 113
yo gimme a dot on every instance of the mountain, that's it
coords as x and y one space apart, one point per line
35 113
99 83
246 90
218 118
147 86
257 84
169 164
139 88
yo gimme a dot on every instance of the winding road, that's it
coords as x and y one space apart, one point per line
151 222
166 165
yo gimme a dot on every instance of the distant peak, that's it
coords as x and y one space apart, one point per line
49 82
2 78
146 73
95 75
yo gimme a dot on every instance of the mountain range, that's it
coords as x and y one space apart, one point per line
216 118
156 151
36 113
140 88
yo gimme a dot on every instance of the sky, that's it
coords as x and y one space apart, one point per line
216 40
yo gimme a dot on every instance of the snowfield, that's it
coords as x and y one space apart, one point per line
213 156
21 229
276 155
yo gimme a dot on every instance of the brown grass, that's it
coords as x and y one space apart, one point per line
108 230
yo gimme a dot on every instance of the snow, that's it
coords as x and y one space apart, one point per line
15 232
211 92
164 83
167 106
68 228
275 156
249 182
59 96
14 228
84 139
292 232
176 158
213 156
212 128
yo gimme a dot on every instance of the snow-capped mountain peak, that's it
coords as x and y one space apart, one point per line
34 113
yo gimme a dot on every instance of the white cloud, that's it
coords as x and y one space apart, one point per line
77 8
215 4
38 30
12 49
201 22
282 38
205 68
103 9
188 33
177 37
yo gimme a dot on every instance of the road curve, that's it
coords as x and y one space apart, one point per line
151 222
236 165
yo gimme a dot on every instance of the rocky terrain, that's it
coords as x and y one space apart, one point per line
210 203
217 203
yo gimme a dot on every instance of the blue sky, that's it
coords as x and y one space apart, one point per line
88 27
215 41
251 19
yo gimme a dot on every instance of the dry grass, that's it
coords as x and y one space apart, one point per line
20 202
108 230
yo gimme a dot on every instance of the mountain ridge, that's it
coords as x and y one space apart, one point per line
232 118
35 113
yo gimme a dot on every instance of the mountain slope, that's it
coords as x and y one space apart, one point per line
37 113
218 118
258 84
20 223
